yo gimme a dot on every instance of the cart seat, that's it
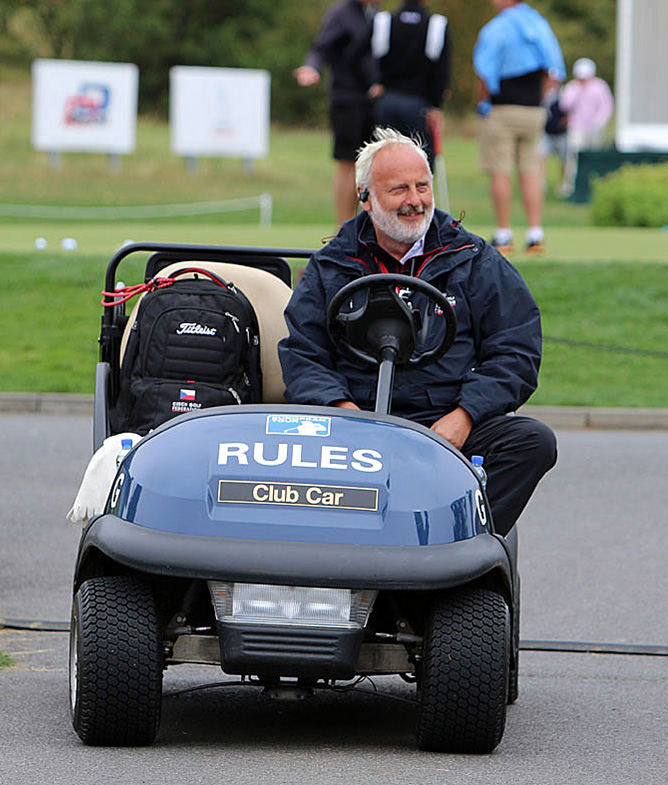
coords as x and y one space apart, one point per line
268 296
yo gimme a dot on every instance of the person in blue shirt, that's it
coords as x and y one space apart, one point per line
518 60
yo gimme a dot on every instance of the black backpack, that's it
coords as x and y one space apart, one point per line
195 343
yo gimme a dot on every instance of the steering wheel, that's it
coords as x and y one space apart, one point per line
387 320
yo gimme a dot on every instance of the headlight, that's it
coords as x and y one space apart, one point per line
264 603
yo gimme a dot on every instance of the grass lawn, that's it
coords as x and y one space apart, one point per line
605 328
102 239
50 319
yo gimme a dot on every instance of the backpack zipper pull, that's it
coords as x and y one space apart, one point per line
234 319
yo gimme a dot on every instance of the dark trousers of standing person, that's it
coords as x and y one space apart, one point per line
518 451
406 114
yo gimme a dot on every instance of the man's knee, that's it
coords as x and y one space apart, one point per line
540 443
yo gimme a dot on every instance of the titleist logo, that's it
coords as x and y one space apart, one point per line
188 328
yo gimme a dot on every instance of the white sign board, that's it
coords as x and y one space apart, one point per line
219 112
642 76
84 107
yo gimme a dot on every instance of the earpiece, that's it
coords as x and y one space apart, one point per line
364 195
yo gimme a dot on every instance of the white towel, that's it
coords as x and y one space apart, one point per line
98 477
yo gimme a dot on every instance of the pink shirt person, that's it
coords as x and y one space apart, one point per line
588 102
587 99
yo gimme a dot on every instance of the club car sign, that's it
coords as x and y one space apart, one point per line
85 107
219 112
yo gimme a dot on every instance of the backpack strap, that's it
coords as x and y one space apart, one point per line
126 293
200 271
435 42
380 38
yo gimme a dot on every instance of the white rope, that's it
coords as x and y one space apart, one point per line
263 203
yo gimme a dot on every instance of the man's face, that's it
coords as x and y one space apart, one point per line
401 199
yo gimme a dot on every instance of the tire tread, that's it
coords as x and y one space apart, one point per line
464 679
120 662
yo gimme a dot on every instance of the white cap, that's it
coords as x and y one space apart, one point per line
584 68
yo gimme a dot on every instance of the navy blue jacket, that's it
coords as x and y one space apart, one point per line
492 368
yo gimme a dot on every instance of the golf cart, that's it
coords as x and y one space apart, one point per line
297 547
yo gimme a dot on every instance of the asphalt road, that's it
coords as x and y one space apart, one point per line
593 560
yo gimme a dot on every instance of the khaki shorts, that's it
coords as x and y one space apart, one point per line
509 136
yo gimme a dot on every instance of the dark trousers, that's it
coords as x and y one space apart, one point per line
518 451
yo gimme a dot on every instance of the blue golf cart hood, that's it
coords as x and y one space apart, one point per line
300 474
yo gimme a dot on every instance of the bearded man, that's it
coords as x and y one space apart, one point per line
469 396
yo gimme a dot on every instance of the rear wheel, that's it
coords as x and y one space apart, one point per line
464 674
115 662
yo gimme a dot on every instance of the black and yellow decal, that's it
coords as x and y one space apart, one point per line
294 494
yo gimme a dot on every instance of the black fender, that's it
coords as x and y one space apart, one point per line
405 568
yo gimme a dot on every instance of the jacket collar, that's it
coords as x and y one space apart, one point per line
447 245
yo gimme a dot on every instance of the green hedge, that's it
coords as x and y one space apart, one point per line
632 196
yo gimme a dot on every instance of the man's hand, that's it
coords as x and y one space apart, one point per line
345 405
306 76
455 427
550 84
482 91
375 91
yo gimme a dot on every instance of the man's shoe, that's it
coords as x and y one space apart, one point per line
504 248
537 246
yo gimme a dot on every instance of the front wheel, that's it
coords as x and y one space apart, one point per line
115 662
464 673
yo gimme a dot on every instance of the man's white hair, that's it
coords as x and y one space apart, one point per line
382 137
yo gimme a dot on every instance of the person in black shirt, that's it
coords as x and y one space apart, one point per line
350 109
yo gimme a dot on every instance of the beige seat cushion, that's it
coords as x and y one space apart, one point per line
268 296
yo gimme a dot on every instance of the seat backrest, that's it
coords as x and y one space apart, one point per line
268 296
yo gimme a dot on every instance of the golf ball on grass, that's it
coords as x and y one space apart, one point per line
40 243
69 244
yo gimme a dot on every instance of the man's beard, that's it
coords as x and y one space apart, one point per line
389 222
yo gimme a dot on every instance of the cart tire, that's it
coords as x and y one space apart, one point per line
464 674
115 663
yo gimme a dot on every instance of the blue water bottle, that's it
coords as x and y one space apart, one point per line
126 446
477 461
